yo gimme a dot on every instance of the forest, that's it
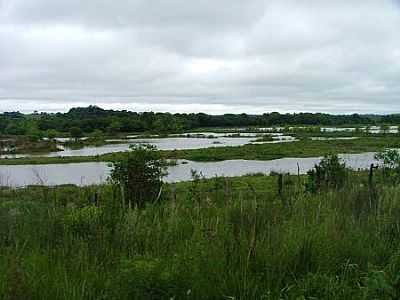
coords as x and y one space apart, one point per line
93 119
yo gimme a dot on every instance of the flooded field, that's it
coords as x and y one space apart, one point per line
170 143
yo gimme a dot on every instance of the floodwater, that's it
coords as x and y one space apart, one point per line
174 143
371 129
161 144
334 138
97 173
196 140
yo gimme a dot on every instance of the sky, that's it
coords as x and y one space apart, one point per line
213 56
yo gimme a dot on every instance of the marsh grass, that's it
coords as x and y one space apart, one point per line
223 238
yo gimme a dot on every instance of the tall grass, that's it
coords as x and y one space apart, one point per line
221 239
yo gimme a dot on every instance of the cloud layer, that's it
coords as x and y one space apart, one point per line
212 56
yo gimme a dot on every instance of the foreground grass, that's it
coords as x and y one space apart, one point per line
220 239
302 148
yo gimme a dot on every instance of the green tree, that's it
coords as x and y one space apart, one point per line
15 128
76 132
385 129
114 127
139 173
164 123
97 134
51 133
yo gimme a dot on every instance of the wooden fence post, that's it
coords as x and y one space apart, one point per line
280 184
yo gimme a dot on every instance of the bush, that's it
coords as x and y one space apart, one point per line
330 173
390 160
139 173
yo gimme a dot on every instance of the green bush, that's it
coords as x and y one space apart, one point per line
330 173
139 174
390 160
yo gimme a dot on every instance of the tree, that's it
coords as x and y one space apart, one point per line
114 127
76 132
139 173
97 134
160 125
51 133
15 129
385 129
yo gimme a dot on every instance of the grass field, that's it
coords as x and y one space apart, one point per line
221 238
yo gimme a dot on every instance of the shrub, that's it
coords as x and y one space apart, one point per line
139 173
330 173
390 160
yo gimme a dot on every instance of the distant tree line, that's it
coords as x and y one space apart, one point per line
95 120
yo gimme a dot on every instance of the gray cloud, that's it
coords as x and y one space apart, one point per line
212 56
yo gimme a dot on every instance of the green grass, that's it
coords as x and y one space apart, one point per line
221 239
302 148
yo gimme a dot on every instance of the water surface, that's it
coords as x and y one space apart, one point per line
96 173
177 143
171 143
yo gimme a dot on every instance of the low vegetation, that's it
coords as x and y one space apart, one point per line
254 237
26 144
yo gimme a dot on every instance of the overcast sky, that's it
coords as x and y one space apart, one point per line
214 56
